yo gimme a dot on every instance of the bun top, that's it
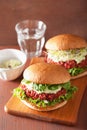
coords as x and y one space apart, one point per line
65 42
44 73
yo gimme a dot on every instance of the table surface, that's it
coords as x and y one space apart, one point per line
61 16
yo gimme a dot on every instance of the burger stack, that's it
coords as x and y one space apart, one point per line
45 87
69 51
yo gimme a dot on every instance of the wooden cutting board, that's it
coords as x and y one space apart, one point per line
68 114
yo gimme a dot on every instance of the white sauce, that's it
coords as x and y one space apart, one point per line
11 63
78 55
30 87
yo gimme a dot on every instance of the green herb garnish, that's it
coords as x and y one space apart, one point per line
76 71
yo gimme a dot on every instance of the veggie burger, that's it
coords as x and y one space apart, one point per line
45 87
69 51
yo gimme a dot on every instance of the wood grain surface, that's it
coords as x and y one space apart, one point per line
68 114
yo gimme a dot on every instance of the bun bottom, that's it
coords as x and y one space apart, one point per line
50 108
80 75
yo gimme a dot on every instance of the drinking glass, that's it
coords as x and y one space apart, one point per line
31 37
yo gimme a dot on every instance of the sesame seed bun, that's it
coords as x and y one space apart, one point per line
65 42
44 73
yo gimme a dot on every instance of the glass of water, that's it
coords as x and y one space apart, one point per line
31 37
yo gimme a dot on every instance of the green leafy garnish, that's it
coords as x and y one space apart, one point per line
39 87
43 87
43 103
53 87
19 93
67 85
76 71
25 81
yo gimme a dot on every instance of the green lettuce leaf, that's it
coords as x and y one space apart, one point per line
42 87
43 103
19 93
76 71
39 87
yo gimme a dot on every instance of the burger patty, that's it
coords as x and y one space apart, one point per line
69 64
43 96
